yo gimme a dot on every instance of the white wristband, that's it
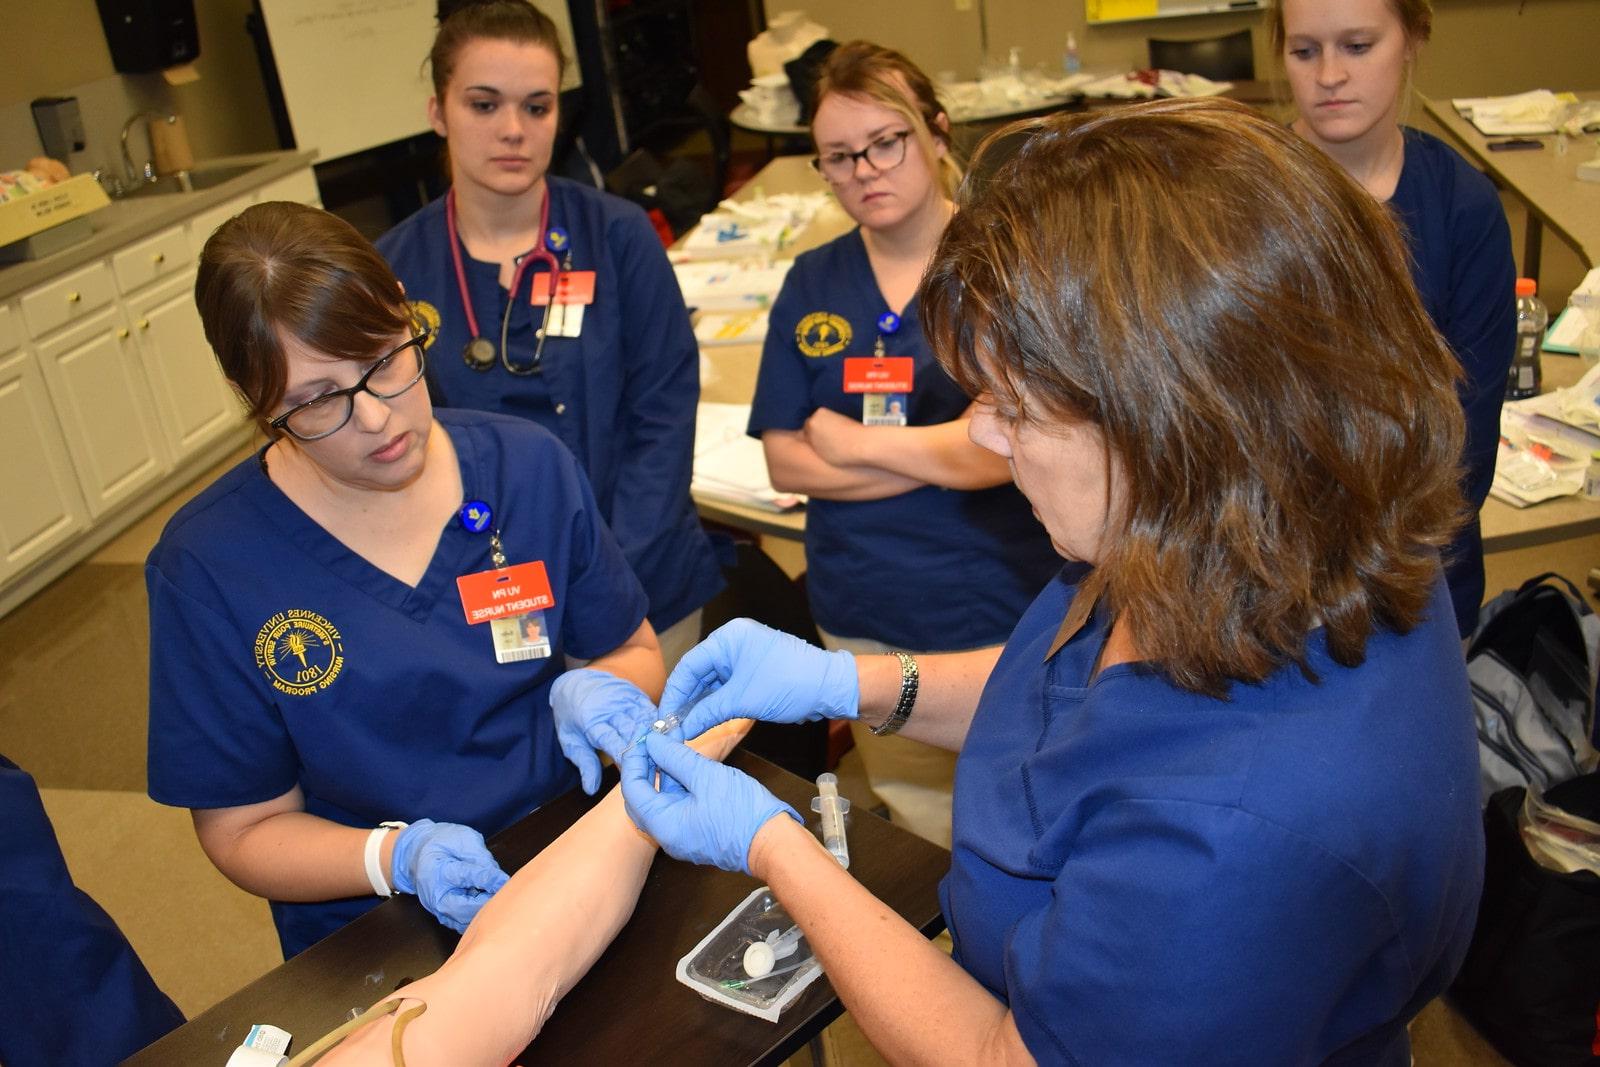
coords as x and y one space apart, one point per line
380 885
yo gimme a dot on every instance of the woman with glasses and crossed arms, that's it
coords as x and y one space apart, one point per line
915 537
342 689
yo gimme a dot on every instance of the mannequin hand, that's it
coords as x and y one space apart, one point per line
746 670
449 869
836 438
705 812
597 710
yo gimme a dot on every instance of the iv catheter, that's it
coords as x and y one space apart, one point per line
832 807
660 726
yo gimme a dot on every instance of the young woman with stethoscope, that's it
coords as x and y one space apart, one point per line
610 364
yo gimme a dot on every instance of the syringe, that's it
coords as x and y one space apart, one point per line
832 807
660 726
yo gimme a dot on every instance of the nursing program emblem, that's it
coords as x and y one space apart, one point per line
822 333
300 652
425 315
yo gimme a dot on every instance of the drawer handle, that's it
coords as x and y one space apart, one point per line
74 298
144 324
122 332
161 257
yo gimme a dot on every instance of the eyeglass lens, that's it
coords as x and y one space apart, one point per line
387 379
885 153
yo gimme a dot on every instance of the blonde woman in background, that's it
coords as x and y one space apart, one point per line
915 537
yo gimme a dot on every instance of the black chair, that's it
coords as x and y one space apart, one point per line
1229 58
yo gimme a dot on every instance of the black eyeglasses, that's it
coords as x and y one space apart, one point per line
386 379
886 153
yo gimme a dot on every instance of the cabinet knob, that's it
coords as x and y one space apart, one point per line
74 298
122 332
144 324
161 257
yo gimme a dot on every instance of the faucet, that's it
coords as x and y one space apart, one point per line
148 174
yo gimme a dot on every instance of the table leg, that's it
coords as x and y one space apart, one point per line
1530 246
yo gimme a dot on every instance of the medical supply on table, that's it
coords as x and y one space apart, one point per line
263 1046
756 961
1526 376
1591 478
832 807
660 726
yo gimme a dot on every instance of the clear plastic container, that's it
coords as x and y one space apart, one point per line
756 960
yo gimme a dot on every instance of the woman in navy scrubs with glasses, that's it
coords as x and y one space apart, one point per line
915 537
610 366
346 687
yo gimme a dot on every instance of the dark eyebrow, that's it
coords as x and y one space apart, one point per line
873 136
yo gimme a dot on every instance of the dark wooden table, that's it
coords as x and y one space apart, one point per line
629 1007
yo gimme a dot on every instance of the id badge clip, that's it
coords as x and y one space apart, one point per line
574 292
513 601
885 384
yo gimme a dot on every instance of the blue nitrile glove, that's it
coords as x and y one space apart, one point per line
748 671
448 867
705 812
594 709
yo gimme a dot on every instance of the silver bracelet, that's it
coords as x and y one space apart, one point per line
909 677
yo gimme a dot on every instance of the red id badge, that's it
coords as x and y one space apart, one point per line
575 287
878 374
504 592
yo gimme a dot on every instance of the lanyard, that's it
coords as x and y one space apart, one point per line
480 353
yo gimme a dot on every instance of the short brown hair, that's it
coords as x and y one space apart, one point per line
285 266
1237 318
871 72
465 21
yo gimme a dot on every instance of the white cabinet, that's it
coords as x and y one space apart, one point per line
106 410
195 403
43 508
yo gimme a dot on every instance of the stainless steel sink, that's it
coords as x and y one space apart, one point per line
192 182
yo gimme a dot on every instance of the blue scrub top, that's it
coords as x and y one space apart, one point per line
932 569
621 395
382 703
1146 875
72 990
1462 265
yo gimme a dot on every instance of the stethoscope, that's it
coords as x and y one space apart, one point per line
480 352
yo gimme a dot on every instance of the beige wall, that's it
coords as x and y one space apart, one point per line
1479 47
60 48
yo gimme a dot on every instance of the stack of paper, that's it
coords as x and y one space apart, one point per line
730 465
758 227
1145 84
730 285
1537 111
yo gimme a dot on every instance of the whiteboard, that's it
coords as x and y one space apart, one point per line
353 71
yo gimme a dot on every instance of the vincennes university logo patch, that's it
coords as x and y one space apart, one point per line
822 333
300 652
426 316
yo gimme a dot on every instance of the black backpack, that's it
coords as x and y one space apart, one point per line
1533 666
1531 979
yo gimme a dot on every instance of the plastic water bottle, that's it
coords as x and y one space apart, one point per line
1070 63
1532 317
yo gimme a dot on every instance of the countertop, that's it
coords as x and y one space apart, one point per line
127 220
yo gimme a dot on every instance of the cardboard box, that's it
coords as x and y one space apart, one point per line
39 211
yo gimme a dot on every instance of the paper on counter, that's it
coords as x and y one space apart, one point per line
730 328
729 464
1536 111
730 285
